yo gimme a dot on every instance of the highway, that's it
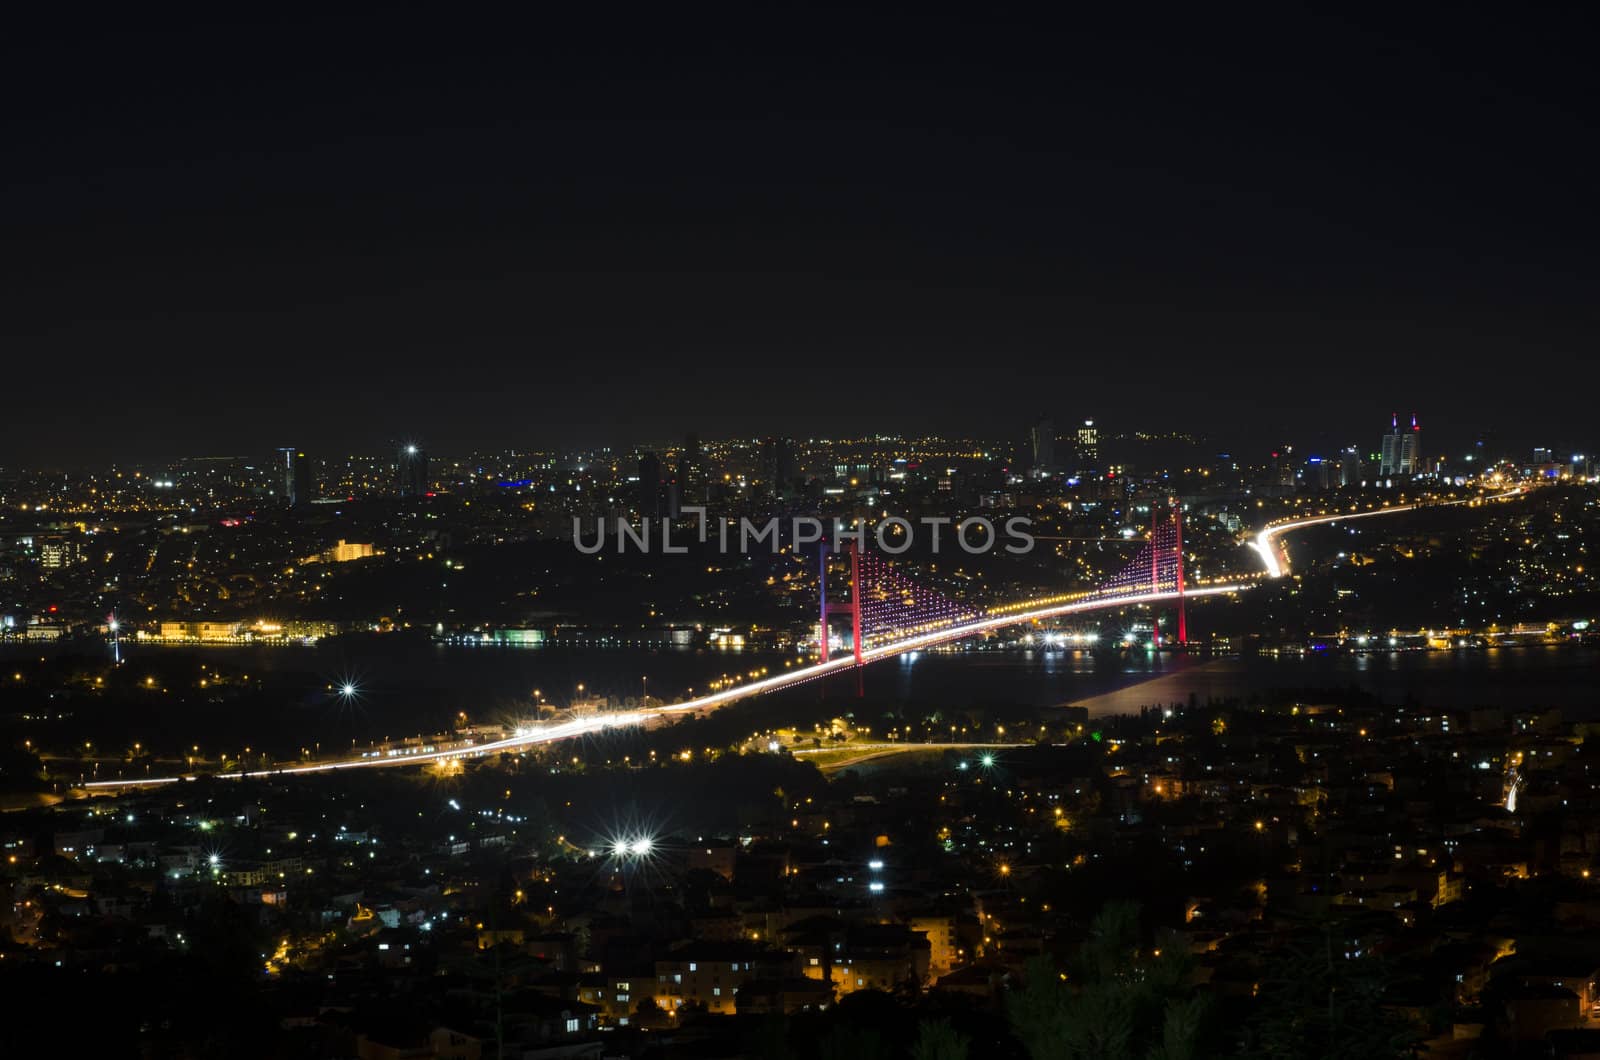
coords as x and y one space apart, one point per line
566 730
1276 559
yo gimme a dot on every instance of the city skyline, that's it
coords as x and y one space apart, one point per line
1452 443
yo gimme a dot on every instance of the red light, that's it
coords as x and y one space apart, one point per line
52 609
428 494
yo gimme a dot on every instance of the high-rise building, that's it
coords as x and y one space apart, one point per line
1401 451
1389 450
1043 437
411 471
1350 467
1282 470
649 498
286 475
778 467
1022 465
297 481
1088 446
691 476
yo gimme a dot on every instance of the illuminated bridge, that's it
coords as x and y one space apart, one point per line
889 615
550 733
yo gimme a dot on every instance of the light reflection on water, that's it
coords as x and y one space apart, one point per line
410 688
1511 677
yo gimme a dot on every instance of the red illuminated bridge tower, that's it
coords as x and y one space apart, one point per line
853 608
1157 568
1166 561
885 605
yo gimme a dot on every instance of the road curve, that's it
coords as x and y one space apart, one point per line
1277 561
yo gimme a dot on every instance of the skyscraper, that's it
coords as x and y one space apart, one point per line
411 471
286 475
1283 469
1411 450
1088 446
1043 437
1401 452
671 499
649 498
1350 467
1022 465
778 467
1389 450
297 482
691 477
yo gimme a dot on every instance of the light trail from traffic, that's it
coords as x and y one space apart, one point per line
1277 561
622 719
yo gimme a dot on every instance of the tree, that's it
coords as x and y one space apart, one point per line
1116 1004
1180 1029
936 1040
773 1038
844 1042
20 770
1315 1003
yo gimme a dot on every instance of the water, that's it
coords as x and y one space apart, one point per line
413 687
1518 678
1511 677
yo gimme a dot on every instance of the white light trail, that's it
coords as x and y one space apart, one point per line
1266 544
1276 560
621 719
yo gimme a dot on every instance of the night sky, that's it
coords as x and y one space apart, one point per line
227 236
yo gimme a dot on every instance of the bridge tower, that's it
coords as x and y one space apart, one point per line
1177 527
853 608
1158 553
1155 574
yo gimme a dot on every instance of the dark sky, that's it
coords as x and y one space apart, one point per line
230 235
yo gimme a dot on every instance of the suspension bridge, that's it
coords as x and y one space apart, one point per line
889 614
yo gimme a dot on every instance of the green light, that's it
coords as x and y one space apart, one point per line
1097 736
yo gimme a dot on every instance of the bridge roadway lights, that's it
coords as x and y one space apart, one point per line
584 726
